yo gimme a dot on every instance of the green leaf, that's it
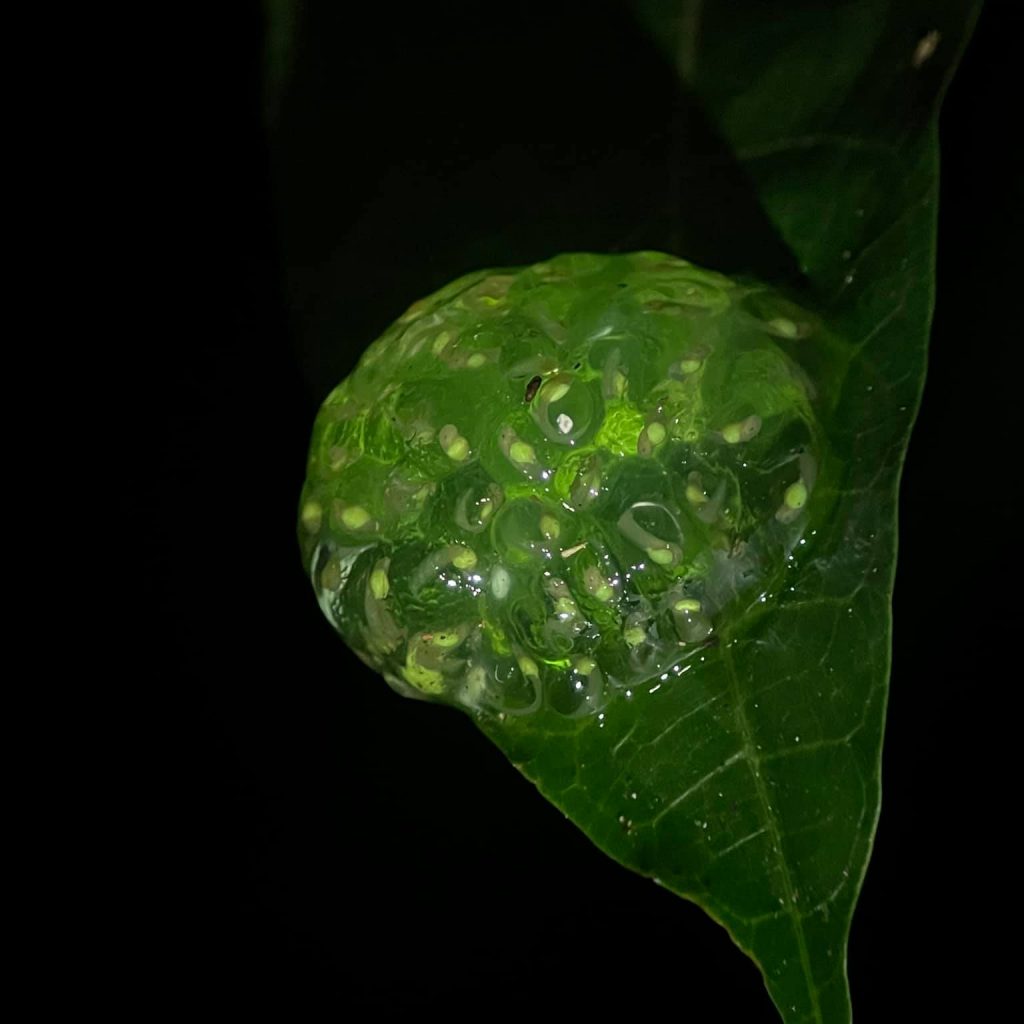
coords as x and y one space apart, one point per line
832 114
748 782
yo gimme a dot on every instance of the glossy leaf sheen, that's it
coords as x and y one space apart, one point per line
752 785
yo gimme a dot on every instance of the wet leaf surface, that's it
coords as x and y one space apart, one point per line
806 155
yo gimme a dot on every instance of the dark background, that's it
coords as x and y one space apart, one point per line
330 840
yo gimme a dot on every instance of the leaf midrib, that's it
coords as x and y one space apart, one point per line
771 825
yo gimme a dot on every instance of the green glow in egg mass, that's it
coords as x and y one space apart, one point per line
544 486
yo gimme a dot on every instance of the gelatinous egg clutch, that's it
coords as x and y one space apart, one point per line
544 486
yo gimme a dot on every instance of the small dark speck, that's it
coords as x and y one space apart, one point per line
531 388
622 284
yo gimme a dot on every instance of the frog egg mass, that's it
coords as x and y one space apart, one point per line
547 486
